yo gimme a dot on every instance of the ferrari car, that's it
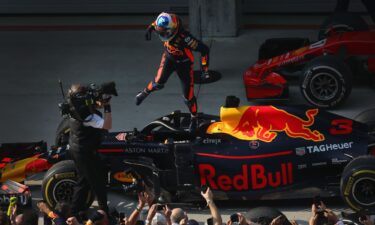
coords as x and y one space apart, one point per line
247 152
325 68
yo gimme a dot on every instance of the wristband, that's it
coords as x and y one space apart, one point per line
209 202
107 108
147 222
138 209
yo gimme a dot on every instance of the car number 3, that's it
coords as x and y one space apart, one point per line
341 126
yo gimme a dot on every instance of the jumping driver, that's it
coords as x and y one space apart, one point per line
178 57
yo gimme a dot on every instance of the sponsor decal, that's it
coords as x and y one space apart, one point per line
123 177
211 141
339 161
154 150
21 199
157 150
254 144
251 177
265 122
302 166
329 147
318 44
319 164
291 60
65 175
301 151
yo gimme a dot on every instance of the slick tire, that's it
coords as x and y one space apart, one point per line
325 82
58 184
263 215
62 133
358 184
342 22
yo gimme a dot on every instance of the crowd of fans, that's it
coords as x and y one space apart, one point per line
161 214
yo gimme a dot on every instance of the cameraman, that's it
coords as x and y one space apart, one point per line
87 126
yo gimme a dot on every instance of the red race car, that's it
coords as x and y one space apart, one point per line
325 68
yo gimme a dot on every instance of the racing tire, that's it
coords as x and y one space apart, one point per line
342 22
326 82
62 133
357 184
58 184
263 215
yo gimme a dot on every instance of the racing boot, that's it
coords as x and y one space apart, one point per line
193 124
140 97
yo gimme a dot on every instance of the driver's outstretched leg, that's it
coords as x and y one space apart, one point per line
165 70
186 74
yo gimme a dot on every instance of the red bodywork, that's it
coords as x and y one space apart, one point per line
262 81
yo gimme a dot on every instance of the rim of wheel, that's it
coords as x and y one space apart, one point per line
364 191
63 190
324 86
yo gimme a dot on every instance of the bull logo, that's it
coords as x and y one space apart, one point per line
264 123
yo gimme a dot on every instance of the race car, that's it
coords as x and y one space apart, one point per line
247 152
325 68
19 161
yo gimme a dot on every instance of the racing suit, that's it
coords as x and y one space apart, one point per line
178 57
85 138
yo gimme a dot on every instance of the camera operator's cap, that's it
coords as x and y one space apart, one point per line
159 219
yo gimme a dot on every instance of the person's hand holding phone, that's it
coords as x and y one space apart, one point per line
151 212
207 194
167 212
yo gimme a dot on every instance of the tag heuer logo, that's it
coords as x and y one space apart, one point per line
301 151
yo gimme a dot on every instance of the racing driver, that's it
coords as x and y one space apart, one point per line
177 56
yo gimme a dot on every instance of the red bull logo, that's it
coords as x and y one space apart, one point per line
251 177
264 123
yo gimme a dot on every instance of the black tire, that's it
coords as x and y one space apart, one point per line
58 184
62 133
326 82
263 215
342 22
367 117
358 184
278 46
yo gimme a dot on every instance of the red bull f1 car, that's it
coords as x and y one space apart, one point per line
19 161
325 68
248 152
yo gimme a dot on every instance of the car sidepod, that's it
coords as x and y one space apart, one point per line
263 152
